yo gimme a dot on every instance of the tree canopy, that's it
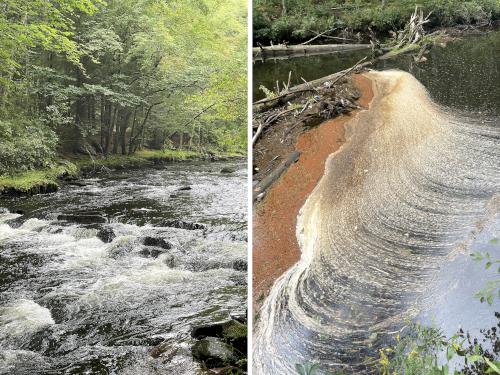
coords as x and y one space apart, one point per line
114 76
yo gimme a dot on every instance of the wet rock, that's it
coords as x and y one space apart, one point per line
106 235
183 225
174 195
239 316
151 252
230 329
164 351
77 183
227 170
185 188
235 333
170 261
157 242
212 352
82 219
240 265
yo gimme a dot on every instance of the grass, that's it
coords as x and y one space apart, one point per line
25 181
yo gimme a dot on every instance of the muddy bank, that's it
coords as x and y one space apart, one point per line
275 247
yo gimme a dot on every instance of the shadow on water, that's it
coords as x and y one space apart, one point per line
94 276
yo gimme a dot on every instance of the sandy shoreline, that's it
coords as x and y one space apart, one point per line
275 247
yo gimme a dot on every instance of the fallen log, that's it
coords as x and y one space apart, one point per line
261 188
285 51
267 103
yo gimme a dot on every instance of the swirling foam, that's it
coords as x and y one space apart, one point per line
408 191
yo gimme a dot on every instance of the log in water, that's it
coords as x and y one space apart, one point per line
414 187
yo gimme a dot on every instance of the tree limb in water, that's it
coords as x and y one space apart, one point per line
317 36
309 86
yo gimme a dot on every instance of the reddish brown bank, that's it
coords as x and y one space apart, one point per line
275 247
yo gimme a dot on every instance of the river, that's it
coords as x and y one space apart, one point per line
387 233
94 276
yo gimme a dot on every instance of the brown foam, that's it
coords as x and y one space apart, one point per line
275 247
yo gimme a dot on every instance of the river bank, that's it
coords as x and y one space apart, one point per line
355 22
275 247
71 167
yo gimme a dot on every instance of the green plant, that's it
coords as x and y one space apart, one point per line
492 288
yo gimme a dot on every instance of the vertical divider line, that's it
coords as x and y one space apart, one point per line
249 188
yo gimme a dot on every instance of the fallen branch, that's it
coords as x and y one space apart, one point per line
257 133
266 182
317 36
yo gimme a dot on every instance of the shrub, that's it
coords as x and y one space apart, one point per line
25 145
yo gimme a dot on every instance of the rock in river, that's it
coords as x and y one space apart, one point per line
183 225
106 235
157 242
82 219
212 352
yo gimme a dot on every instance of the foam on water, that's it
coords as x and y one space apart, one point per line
409 192
111 303
22 318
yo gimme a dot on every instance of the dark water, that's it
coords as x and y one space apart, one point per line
73 304
436 200
465 75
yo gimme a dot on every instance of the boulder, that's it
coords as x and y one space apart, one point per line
106 235
212 352
227 170
183 225
185 188
82 219
157 242
240 265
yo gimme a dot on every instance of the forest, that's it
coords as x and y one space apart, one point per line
292 21
101 78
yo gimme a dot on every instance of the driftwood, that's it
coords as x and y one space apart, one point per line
267 103
318 35
261 188
285 51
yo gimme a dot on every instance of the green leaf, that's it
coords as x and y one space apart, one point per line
477 256
493 366
474 358
450 352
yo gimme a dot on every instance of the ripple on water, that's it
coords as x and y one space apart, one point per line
111 302
408 192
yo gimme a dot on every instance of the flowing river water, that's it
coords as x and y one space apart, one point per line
94 276
387 233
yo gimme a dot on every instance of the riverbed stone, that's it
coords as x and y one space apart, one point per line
82 219
106 235
185 188
157 242
183 225
240 265
227 170
212 352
